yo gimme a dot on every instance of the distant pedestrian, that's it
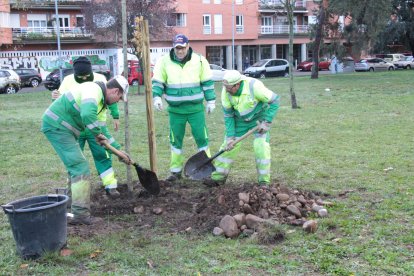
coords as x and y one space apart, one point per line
334 64
246 63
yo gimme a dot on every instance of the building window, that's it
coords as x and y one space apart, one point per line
206 24
239 24
206 1
217 1
177 20
218 24
5 19
267 23
239 2
80 21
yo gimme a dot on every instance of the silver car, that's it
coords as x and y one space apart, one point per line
268 68
373 64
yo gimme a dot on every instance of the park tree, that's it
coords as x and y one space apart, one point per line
366 20
288 7
104 17
399 30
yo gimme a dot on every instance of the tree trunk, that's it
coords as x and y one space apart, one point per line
290 4
317 44
126 111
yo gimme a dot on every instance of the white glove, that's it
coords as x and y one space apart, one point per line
158 103
211 105
264 127
230 143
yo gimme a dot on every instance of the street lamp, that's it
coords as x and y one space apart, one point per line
232 34
58 41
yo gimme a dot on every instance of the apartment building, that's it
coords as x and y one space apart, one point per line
29 37
226 32
248 28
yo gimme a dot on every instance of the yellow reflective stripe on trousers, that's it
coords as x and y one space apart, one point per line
177 160
56 118
108 178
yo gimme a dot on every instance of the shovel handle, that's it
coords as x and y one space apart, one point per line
247 134
118 153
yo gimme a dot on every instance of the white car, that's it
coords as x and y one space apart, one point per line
9 81
218 72
406 62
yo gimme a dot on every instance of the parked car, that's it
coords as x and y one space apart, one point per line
307 64
268 68
135 76
218 72
52 81
407 62
9 81
102 69
392 57
373 64
29 77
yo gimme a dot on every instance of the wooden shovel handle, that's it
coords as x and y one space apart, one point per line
247 134
118 153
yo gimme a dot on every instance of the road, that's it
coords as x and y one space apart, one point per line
42 88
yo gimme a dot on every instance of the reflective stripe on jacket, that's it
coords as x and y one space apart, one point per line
69 82
253 102
185 85
77 109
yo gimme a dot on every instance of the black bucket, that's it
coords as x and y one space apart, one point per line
38 224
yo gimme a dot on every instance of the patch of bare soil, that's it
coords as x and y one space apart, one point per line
192 207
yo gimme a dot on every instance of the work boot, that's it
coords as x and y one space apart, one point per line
174 177
212 183
83 220
264 185
112 193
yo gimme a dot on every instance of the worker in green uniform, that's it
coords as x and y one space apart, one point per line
245 102
82 68
184 79
64 121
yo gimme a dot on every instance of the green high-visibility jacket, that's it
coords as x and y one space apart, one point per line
78 109
185 83
69 82
252 102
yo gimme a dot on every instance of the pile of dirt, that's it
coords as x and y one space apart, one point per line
193 207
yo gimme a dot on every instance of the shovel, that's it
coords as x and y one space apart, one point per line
199 165
147 178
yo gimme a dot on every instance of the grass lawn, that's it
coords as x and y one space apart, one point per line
353 143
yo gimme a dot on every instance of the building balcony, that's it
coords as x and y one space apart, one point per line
47 4
272 5
283 29
43 34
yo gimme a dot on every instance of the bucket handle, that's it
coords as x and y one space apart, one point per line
7 206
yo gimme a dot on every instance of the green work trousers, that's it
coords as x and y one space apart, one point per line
262 152
178 123
101 157
67 147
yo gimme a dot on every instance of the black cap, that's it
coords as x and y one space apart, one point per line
82 66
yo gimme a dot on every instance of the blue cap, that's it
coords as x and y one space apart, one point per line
180 40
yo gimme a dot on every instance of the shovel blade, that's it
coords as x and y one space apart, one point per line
148 179
198 166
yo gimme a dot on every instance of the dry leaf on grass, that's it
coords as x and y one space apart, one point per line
150 264
65 252
24 266
95 254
